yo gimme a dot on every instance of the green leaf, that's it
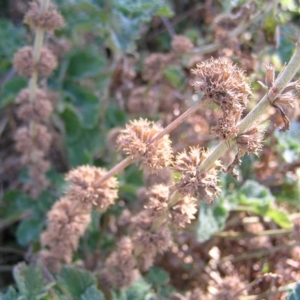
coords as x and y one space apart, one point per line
210 220
85 63
138 290
157 276
72 122
30 282
11 294
281 218
76 281
254 194
28 231
92 293
295 293
175 75
10 90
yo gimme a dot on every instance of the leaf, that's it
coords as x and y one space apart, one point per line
295 293
92 293
281 218
28 231
10 90
254 194
138 290
30 282
157 276
85 63
210 220
11 294
76 281
72 122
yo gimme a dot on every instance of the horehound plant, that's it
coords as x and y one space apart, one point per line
34 103
174 205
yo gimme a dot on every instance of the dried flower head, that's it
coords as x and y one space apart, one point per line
251 140
182 44
183 212
161 176
27 140
49 20
135 142
67 222
158 200
142 101
120 266
39 110
24 64
149 244
227 126
83 187
223 83
202 185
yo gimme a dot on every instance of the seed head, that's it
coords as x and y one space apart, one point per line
49 20
182 44
135 142
202 185
84 190
24 64
223 83
251 140
184 211
158 200
39 110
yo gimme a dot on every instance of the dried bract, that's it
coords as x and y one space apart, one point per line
251 140
223 83
24 64
183 212
135 142
202 185
49 20
182 44
83 187
39 110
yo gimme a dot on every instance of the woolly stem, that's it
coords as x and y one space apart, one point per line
255 114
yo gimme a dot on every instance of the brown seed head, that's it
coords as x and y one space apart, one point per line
184 211
251 140
135 142
84 190
49 20
37 138
227 127
222 83
158 200
202 185
24 64
39 110
120 266
182 44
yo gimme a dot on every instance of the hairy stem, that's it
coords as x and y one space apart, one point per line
255 114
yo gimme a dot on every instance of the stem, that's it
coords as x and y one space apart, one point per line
258 254
255 114
127 161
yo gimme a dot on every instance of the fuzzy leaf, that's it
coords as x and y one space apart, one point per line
295 293
76 281
28 231
92 293
210 220
30 282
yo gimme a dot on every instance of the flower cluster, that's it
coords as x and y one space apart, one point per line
136 141
34 105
